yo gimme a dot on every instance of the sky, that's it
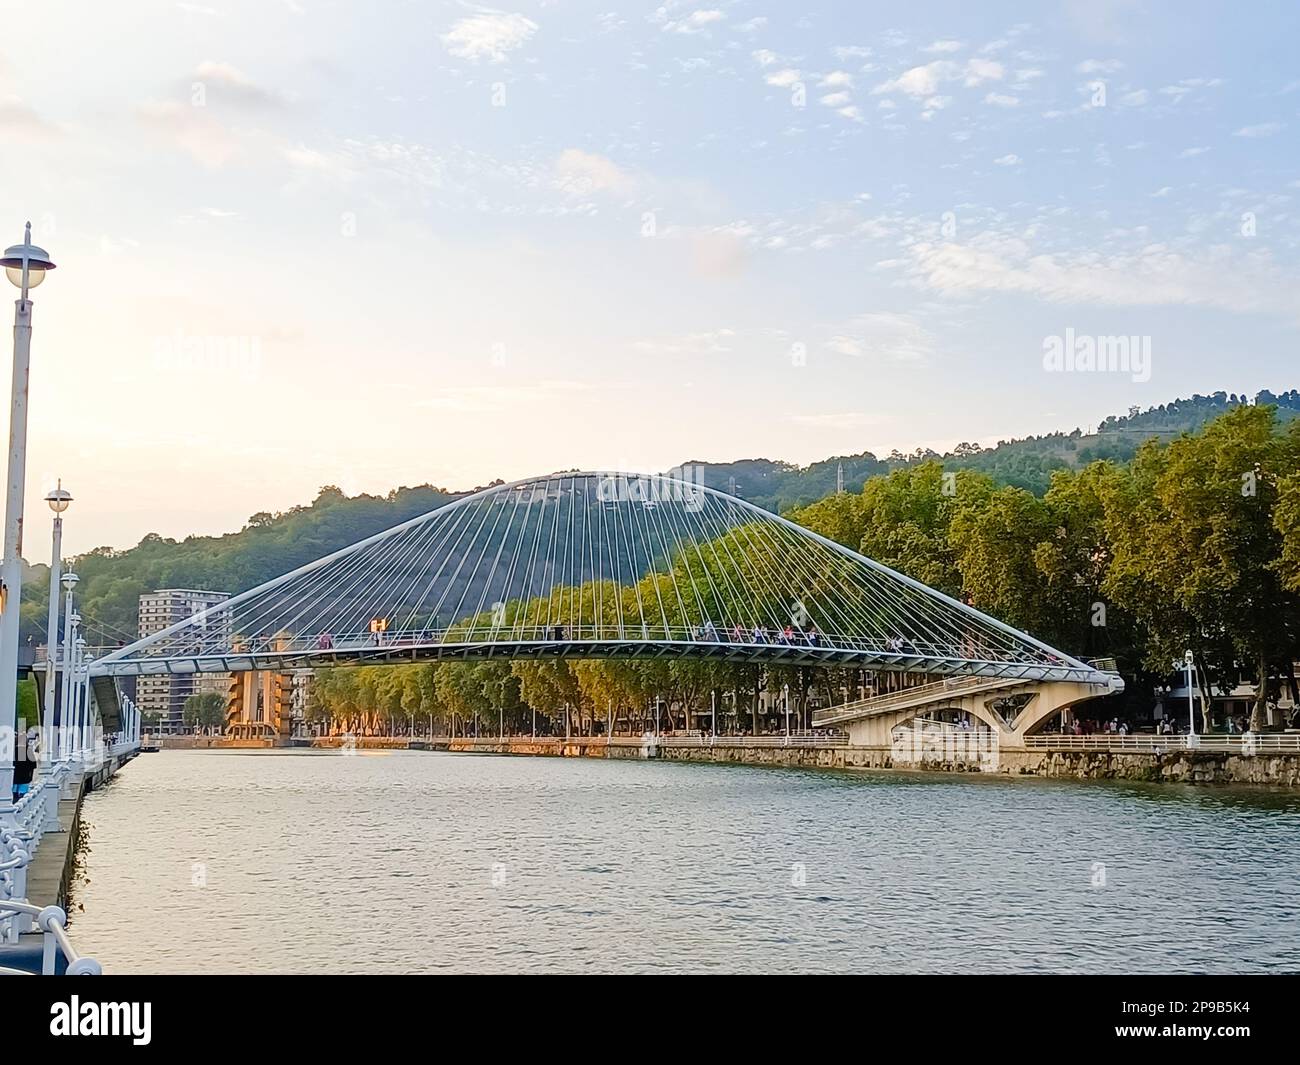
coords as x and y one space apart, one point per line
310 242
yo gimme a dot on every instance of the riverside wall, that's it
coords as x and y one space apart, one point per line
1278 769
1273 768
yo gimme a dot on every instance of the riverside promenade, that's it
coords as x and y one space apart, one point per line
38 847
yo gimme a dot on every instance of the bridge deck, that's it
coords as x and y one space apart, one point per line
406 651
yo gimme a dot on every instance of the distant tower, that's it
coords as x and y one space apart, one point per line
839 479
731 485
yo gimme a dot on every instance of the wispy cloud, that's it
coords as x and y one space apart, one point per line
1263 129
489 36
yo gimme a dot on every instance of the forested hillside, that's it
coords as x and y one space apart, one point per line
271 544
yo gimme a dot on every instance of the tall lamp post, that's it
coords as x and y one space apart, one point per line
1189 661
26 266
58 499
70 623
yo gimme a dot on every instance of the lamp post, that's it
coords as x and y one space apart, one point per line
58 499
785 699
69 674
91 737
26 266
69 581
1189 660
74 693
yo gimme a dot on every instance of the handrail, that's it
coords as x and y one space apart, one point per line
1245 743
905 696
52 921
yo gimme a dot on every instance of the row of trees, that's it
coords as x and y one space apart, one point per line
1191 544
581 697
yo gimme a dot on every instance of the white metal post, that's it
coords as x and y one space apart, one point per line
52 641
65 696
79 736
11 570
1189 659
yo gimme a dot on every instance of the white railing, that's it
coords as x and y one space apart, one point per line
36 813
797 738
904 697
53 922
1244 743
801 738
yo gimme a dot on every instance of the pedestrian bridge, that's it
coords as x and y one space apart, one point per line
599 565
1011 710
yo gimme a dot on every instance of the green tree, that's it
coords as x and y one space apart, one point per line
1197 549
204 709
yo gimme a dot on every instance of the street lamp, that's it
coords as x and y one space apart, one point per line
25 265
70 621
785 688
79 656
1189 660
58 499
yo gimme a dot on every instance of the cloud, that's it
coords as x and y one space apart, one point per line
582 173
919 81
836 79
193 130
1152 275
1136 98
234 86
836 99
1188 153
999 99
925 81
783 79
20 121
1264 129
1178 90
979 71
883 336
695 22
489 36
942 47
1008 160
709 342
1099 66
765 57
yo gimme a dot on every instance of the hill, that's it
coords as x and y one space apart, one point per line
272 544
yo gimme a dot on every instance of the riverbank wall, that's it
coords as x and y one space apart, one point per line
1211 767
1276 769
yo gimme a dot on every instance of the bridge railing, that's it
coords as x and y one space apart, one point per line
876 704
796 738
220 644
1244 743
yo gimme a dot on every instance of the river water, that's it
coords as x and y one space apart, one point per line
316 861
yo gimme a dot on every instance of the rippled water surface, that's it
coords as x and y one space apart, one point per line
307 861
